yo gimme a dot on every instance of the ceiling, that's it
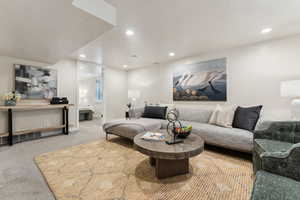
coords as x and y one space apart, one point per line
46 30
187 28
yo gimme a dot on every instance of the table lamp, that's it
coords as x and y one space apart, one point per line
292 89
133 95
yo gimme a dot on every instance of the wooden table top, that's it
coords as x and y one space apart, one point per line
35 107
191 146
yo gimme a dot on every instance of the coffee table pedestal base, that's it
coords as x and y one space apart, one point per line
168 168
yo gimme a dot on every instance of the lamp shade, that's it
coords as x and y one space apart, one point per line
134 94
290 88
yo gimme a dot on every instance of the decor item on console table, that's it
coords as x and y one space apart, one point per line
11 109
59 100
11 98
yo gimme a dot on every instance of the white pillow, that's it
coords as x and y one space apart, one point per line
214 115
223 116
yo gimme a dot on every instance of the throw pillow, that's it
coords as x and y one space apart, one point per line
223 116
156 112
246 118
214 115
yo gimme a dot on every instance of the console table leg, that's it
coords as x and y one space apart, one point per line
64 120
67 120
10 127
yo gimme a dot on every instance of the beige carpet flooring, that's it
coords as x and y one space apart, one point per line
115 171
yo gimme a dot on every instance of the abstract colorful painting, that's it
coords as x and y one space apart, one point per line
202 81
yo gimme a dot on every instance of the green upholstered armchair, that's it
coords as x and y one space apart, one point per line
268 186
277 149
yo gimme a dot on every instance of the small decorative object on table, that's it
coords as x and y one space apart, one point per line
184 132
173 125
11 98
152 136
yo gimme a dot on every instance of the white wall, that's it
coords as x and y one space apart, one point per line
40 119
87 92
68 87
115 93
254 76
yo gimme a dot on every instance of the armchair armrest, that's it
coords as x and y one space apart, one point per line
280 130
283 163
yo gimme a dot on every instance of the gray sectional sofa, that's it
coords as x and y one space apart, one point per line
231 138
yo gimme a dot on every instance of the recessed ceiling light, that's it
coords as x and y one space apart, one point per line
82 56
129 32
171 54
266 30
125 66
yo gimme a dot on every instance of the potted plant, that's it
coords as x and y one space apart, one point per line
11 98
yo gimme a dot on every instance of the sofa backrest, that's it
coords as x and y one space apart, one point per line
194 114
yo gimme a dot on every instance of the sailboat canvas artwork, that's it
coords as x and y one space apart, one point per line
202 81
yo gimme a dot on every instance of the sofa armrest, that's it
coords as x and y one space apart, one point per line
280 130
274 155
283 163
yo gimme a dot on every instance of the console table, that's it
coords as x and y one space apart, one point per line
11 109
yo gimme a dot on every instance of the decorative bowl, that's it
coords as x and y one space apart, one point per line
184 134
181 133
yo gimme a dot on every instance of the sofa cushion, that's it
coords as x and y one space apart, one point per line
263 145
200 115
246 118
155 112
231 138
223 116
269 186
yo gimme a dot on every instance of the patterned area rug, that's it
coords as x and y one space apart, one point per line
115 171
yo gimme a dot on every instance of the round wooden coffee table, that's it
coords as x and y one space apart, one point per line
170 160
